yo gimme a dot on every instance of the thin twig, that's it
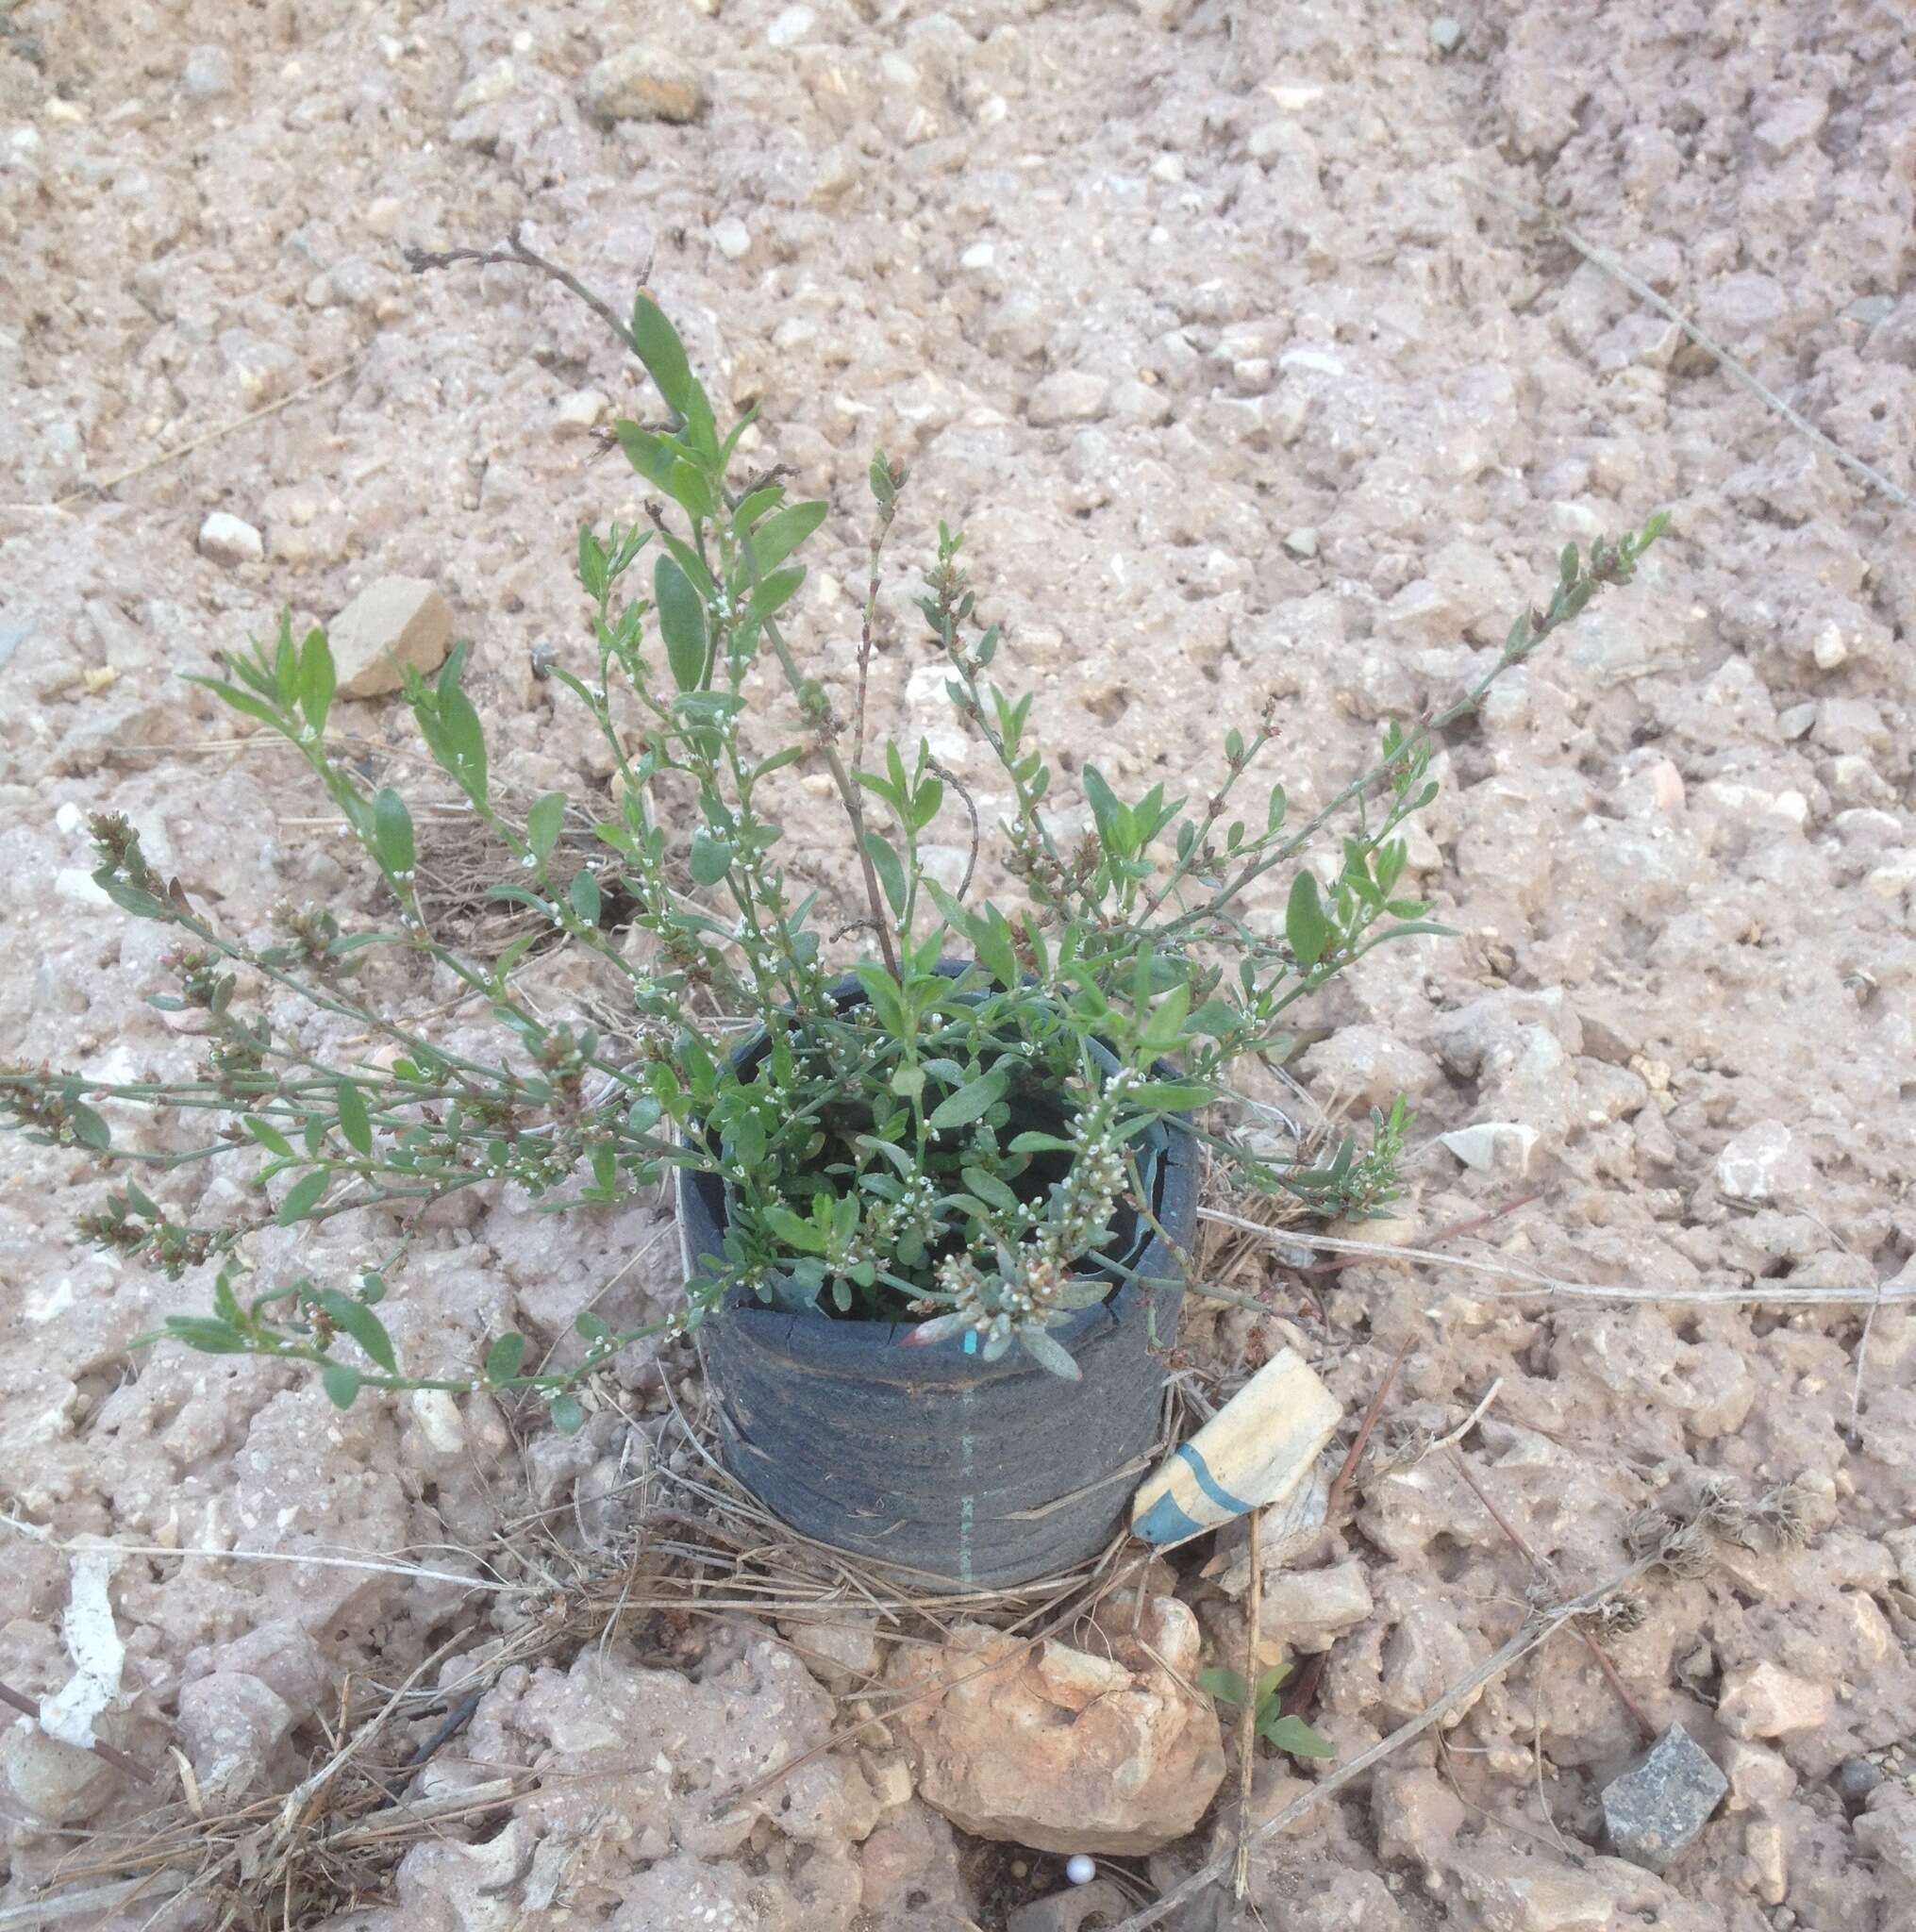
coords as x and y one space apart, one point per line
1793 1295
1247 1722
1447 1233
1464 1427
1549 1571
1601 258
1536 1630
516 254
958 785
1342 1481
107 1754
199 441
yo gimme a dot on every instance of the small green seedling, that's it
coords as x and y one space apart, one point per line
1290 1734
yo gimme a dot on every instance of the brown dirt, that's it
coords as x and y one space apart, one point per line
1679 844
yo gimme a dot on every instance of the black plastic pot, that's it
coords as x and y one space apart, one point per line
973 1473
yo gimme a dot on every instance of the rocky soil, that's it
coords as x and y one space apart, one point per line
1204 324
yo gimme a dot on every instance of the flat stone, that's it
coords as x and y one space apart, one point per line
1795 722
1770 1702
490 84
1074 395
1494 1146
1066 1911
644 83
228 540
1871 310
1302 543
59 1784
393 621
1653 1812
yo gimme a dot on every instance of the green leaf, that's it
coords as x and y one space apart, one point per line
992 1191
354 1122
880 477
504 1356
711 858
890 868
1223 1683
774 593
1106 811
316 680
203 1333
543 823
663 354
1293 1735
392 833
461 749
247 706
356 1318
1305 925
568 1417
907 1083
1170 1096
1040 1143
584 894
970 1103
682 621
1049 1356
302 1199
780 535
342 1384
90 1130
589 1325
269 1138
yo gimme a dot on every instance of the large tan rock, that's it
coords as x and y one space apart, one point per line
393 621
1061 1749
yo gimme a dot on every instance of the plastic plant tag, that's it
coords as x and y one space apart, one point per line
1253 1453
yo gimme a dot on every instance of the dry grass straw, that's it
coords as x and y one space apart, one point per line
697 1547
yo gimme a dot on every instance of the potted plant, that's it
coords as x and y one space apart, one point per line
935 1196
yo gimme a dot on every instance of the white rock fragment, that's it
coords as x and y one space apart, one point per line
1763 1163
74 883
93 1644
208 74
1302 544
1313 361
1830 650
790 26
490 84
1446 35
1796 723
438 1419
582 409
228 540
731 238
393 621
1893 878
1494 1146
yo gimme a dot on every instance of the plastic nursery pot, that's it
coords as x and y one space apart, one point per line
973 1474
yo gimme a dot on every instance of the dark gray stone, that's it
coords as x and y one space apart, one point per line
1102 1899
1856 1778
1654 1811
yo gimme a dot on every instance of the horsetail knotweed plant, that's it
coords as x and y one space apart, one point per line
947 1144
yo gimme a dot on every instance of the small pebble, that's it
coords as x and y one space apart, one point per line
1080 1870
1856 1778
731 236
1446 35
1302 543
229 539
1871 310
1796 721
